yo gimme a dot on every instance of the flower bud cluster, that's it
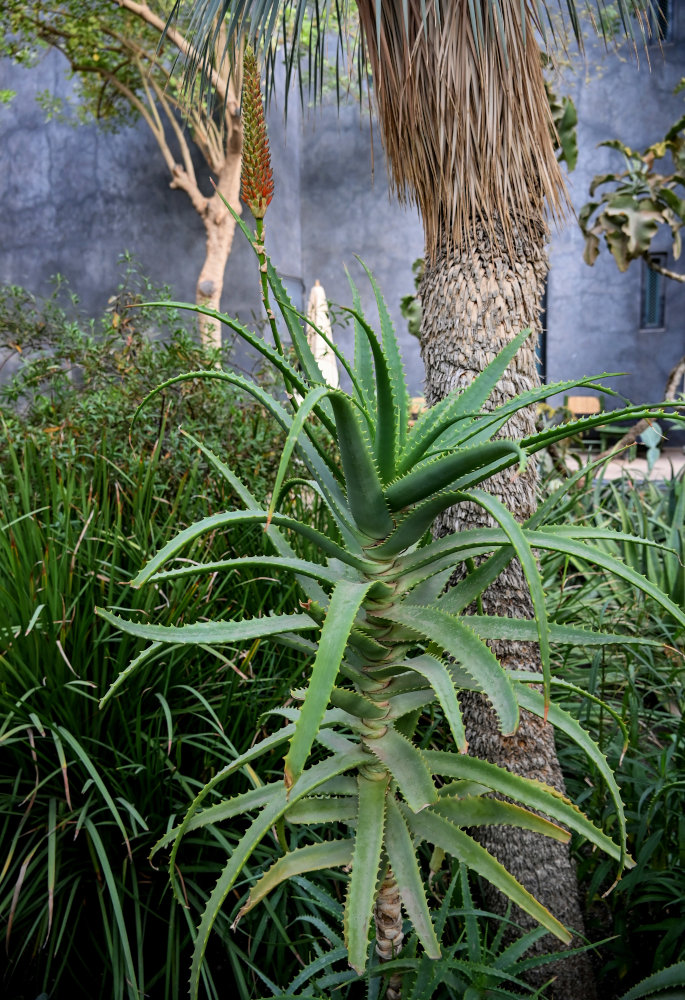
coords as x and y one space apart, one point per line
257 175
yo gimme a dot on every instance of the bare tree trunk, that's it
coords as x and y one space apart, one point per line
220 229
474 302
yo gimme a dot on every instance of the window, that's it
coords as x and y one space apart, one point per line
541 346
652 311
661 21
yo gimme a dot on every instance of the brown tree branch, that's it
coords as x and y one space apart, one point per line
167 107
219 81
655 266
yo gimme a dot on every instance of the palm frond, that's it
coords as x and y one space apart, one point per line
464 117
459 91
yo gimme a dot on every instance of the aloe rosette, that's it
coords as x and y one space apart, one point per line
382 638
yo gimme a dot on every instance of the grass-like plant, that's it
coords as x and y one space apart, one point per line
85 794
632 701
383 640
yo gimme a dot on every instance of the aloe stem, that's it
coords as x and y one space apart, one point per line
261 253
389 937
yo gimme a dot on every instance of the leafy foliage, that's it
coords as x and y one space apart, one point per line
565 118
71 385
382 642
79 502
114 51
640 201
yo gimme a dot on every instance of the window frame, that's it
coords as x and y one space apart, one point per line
649 274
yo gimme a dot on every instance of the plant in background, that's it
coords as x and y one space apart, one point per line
125 62
70 384
640 201
383 641
478 957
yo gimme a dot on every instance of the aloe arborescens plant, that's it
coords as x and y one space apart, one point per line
384 640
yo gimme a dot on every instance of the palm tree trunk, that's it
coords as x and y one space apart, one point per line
474 302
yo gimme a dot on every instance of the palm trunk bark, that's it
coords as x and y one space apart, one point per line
475 300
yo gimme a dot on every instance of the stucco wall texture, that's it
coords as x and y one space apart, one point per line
72 199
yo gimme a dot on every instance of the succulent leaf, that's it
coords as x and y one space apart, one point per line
366 863
403 861
345 602
362 480
456 471
461 643
313 857
408 767
430 826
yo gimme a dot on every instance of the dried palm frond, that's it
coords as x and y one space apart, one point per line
464 117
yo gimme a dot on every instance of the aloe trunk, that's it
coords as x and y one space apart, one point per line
389 937
474 302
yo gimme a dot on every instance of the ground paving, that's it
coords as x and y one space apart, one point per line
669 463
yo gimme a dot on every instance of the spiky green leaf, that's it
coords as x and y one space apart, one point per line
208 633
408 767
398 382
440 680
404 863
457 406
461 643
270 815
481 811
313 857
437 830
531 794
345 602
366 861
362 480
455 471
494 506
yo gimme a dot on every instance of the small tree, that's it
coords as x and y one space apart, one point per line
638 201
125 66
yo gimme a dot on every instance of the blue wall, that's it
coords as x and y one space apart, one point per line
72 199
594 312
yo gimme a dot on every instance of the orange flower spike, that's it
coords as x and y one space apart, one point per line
257 176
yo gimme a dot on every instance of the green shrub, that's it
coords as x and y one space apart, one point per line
73 385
